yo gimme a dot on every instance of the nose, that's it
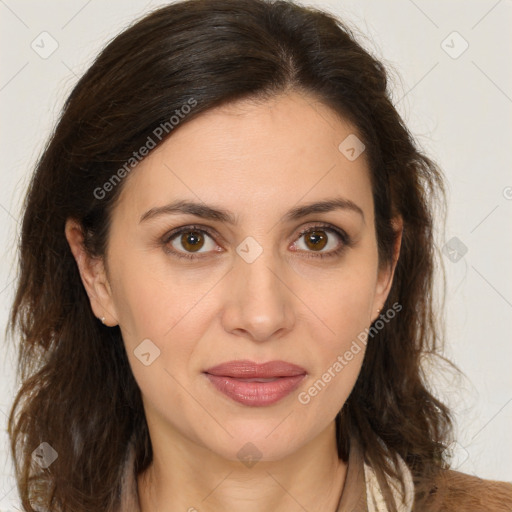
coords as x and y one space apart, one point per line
259 304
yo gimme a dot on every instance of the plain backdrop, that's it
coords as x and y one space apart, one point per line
452 83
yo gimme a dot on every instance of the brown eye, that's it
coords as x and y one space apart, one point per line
316 240
322 241
192 241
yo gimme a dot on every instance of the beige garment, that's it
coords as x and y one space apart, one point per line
376 502
361 491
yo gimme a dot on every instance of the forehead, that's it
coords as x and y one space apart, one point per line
252 155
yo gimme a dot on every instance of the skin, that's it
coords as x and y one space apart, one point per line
257 160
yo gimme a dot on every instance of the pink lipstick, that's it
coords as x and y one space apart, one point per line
254 384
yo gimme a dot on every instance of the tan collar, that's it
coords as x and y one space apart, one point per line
353 497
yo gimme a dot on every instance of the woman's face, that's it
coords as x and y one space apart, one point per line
246 285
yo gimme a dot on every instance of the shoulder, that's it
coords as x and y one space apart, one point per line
454 491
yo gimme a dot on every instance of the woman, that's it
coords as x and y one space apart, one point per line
226 281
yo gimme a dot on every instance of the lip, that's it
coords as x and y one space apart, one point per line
254 384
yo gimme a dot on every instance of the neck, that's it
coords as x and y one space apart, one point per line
186 477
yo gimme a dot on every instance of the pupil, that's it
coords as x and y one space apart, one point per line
191 241
317 239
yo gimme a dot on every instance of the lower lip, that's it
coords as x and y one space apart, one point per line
255 394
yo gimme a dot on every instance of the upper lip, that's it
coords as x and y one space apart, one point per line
249 369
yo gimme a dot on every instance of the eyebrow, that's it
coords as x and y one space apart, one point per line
219 214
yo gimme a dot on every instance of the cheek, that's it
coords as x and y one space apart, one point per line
152 301
342 300
336 361
343 306
173 310
159 324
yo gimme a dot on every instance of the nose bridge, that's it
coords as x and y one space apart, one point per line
259 279
259 303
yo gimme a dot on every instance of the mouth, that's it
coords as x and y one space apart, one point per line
254 384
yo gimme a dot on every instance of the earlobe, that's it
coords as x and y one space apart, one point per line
93 275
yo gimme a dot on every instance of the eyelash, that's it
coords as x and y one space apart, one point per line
346 241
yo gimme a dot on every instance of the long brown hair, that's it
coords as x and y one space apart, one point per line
77 391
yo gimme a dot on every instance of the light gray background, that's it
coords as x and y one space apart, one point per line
459 107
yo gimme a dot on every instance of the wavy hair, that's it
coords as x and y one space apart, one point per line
77 391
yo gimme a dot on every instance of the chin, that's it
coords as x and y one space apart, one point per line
261 441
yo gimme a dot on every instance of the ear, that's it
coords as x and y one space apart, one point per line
386 272
93 275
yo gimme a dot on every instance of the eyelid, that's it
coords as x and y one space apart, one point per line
166 239
191 227
346 240
328 227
